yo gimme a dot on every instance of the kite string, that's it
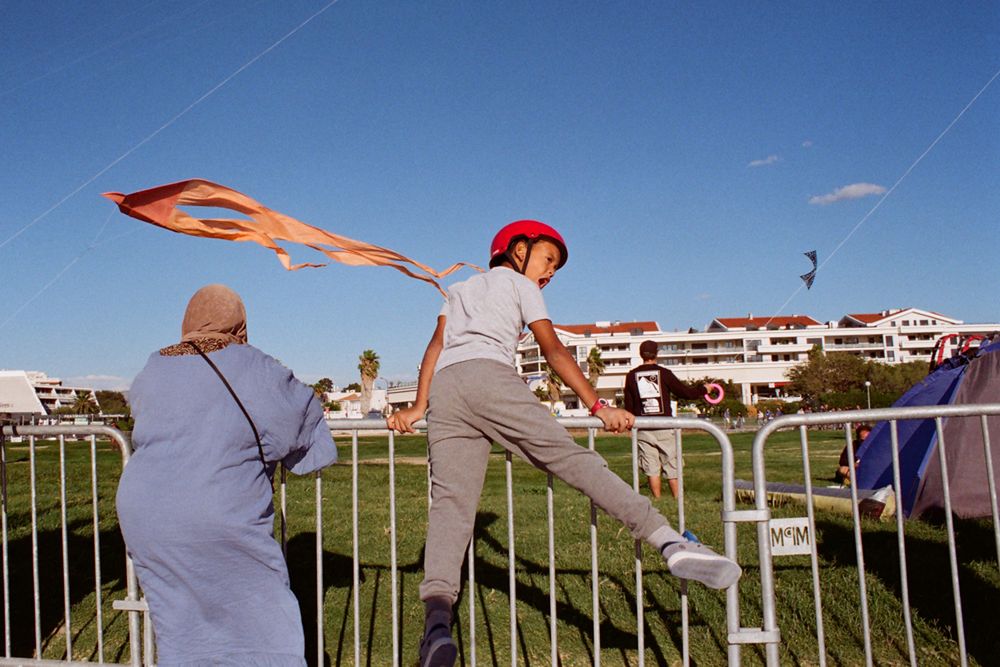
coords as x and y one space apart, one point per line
166 125
90 246
889 191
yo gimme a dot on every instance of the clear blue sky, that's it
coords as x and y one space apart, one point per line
676 146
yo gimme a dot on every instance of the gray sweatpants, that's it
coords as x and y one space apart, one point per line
475 403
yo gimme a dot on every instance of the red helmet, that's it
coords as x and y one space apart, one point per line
530 230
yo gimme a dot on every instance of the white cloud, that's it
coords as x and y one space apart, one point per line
770 159
111 382
852 191
807 143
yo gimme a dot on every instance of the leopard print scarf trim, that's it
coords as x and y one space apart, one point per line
206 344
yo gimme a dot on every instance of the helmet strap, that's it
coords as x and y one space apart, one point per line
527 254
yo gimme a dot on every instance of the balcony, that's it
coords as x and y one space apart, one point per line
843 347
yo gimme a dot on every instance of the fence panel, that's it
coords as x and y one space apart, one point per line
766 527
48 624
348 645
729 515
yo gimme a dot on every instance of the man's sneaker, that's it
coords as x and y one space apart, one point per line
692 560
437 648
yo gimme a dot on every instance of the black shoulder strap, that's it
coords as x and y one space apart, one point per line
256 435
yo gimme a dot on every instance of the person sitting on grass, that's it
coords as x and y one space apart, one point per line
843 475
477 398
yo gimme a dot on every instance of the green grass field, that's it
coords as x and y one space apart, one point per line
930 588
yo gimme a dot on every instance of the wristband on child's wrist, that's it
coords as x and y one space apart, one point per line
598 405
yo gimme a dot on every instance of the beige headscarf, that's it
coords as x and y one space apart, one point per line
215 311
215 317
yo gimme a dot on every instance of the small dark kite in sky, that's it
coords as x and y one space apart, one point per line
808 278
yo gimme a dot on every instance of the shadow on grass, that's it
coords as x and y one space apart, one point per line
337 570
612 636
80 549
929 577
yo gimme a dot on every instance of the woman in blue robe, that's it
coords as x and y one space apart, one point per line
195 500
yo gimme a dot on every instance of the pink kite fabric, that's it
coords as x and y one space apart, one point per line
159 206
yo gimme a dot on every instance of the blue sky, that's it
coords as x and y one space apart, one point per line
677 147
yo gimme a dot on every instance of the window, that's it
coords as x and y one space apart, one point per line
888 340
636 331
923 323
814 341
891 355
699 346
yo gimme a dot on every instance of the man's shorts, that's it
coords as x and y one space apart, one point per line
658 452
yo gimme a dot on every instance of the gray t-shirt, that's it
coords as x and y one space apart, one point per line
486 315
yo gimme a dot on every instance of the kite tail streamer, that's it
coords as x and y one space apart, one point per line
159 206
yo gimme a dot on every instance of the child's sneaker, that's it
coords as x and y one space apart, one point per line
692 560
437 648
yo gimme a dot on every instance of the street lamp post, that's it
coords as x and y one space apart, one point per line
868 392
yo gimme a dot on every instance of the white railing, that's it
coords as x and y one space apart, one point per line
591 424
770 604
132 605
140 628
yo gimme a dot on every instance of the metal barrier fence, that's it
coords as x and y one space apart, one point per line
131 604
591 424
849 419
137 611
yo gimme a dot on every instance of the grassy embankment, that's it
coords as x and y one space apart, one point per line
930 588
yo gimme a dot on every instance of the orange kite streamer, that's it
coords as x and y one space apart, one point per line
159 206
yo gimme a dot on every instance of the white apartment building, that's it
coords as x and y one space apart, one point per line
754 353
26 393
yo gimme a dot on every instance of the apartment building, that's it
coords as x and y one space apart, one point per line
754 353
26 393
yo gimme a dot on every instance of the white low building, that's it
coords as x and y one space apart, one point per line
754 353
25 394
350 404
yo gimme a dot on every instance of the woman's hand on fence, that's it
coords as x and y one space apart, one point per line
616 420
402 421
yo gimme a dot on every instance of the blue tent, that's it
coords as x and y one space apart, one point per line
962 380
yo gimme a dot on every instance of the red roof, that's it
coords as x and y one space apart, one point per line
868 318
760 322
619 327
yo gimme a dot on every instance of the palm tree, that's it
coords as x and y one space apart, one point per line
369 371
83 404
595 366
554 383
323 386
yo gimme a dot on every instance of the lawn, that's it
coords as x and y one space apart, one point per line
930 588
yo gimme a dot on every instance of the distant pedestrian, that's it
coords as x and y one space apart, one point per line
648 389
